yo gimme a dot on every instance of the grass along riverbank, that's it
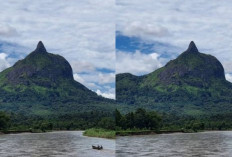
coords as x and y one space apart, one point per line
102 133
144 132
132 132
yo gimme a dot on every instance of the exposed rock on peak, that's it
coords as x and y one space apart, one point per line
192 48
192 67
40 48
39 66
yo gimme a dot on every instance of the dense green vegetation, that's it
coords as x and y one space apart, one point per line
140 119
75 121
103 133
196 123
185 99
148 122
4 121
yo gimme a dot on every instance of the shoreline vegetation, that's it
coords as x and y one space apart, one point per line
153 132
30 131
92 132
13 124
111 134
143 122
145 132
101 133
139 122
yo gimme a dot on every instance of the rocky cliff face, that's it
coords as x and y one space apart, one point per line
192 67
40 67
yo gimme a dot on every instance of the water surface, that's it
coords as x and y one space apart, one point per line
205 144
54 144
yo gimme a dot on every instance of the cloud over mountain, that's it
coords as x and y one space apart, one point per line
81 31
176 23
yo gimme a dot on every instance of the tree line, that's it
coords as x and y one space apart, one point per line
140 119
4 120
81 121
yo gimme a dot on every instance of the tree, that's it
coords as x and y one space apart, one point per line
140 118
4 120
46 126
130 120
118 117
107 123
153 120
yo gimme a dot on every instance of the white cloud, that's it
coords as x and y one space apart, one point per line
93 82
228 65
106 78
229 77
78 79
7 31
208 24
82 66
106 95
3 61
137 63
95 77
86 82
146 30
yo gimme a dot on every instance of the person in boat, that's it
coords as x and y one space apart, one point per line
97 147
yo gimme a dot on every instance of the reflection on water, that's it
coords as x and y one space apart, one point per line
206 144
54 144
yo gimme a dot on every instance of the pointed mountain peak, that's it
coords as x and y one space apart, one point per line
40 47
192 48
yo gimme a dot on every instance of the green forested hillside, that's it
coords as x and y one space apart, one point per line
193 84
41 87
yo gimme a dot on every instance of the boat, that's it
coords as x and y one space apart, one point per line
97 147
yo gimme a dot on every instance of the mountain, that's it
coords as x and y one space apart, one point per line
42 84
192 84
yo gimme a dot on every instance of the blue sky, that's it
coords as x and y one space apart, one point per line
82 31
151 32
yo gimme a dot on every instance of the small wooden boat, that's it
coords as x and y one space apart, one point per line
97 147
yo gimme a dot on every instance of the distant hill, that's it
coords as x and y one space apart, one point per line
42 84
192 84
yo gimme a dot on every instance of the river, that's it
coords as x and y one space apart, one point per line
205 144
54 144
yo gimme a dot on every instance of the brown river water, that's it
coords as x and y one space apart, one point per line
54 144
204 144
73 144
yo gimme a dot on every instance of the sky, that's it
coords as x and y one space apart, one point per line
151 32
82 31
146 34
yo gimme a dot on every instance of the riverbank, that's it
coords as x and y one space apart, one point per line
32 131
102 133
145 132
24 131
152 132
